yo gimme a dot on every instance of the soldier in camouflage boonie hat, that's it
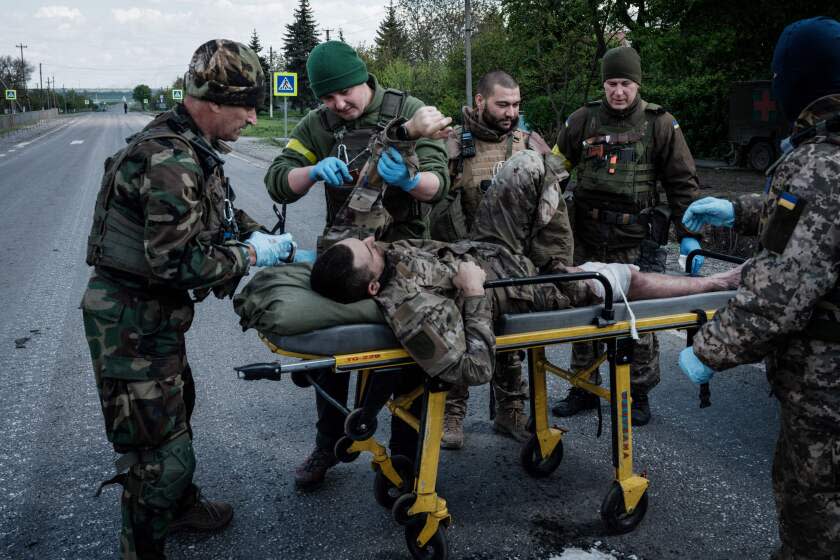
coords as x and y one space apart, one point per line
226 72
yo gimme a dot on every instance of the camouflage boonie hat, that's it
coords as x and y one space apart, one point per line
226 72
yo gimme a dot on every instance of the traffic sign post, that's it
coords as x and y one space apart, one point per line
177 95
285 85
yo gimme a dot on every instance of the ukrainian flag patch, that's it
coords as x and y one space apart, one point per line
675 124
787 200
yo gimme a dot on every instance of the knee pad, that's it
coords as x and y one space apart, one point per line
169 476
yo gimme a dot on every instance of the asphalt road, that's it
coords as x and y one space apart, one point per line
709 469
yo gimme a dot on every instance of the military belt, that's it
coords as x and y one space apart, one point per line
615 218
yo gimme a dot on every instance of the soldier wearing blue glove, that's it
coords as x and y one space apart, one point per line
394 171
270 250
786 310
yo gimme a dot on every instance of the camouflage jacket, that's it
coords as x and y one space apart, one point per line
162 185
783 286
310 142
450 336
674 163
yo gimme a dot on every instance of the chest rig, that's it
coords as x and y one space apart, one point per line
778 221
617 175
351 146
116 239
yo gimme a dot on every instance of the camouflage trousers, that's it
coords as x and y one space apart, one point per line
806 486
508 386
644 369
147 395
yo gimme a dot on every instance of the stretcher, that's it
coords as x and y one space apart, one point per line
406 486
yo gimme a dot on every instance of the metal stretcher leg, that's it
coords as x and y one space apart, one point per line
423 512
626 502
543 452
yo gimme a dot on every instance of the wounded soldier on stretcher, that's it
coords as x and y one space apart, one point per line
431 293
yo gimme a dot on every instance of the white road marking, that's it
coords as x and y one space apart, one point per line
77 142
2 155
12 150
22 144
248 160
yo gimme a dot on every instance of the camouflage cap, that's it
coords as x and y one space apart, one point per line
226 72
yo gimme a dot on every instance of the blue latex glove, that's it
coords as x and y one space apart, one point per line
332 171
709 210
305 255
687 245
393 171
271 249
696 370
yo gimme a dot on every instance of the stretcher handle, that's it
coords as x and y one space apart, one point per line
273 370
713 255
607 313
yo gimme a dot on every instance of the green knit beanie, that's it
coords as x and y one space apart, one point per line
622 62
333 66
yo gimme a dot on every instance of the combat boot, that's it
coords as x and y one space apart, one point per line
453 430
311 473
511 422
640 409
577 400
203 515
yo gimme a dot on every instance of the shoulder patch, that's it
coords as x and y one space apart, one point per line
782 222
675 124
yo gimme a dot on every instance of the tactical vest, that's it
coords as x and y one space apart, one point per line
617 172
825 321
452 218
351 146
116 241
478 171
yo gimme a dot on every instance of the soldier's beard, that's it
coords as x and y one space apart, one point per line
496 124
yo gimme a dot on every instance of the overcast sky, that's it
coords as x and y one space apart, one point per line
100 44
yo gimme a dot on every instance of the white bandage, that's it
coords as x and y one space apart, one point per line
618 276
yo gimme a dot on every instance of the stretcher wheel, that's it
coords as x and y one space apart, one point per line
384 490
615 515
435 549
534 463
341 450
358 426
401 507
299 379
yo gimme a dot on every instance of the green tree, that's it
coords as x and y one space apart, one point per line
300 38
142 92
256 46
391 39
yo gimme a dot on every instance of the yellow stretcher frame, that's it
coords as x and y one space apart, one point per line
423 511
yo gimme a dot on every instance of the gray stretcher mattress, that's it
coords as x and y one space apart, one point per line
350 339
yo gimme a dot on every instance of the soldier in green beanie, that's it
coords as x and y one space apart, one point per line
622 146
329 147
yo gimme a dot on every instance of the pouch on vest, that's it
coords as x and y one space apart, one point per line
658 221
447 221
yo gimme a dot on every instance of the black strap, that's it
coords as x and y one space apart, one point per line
120 479
705 392
391 107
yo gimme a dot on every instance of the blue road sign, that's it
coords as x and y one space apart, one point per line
285 84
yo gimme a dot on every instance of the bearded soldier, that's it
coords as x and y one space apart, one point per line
330 146
622 146
164 224
488 138
787 309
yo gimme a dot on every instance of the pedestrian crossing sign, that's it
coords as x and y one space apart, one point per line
177 94
285 84
11 94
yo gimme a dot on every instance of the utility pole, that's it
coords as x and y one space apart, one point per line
64 93
327 31
55 99
467 50
21 46
270 81
41 81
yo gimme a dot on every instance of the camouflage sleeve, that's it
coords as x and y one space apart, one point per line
303 149
477 363
432 154
178 249
570 139
748 209
551 229
779 290
676 168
